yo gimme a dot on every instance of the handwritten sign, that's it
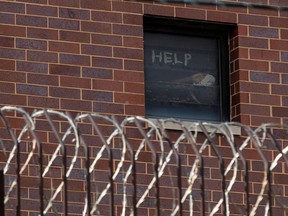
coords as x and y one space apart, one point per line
172 58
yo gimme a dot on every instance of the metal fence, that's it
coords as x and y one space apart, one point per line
91 164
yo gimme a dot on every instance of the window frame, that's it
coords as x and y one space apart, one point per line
204 29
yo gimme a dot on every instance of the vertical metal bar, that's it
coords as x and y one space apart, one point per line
111 182
221 162
2 189
157 185
41 184
269 191
202 186
64 158
18 179
88 180
134 180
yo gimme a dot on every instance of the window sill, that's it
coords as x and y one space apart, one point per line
173 125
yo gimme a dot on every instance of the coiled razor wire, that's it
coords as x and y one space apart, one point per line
123 147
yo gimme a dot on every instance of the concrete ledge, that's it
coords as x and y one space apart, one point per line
172 125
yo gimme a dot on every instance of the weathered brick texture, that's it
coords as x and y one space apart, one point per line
87 56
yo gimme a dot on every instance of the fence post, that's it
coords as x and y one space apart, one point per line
2 211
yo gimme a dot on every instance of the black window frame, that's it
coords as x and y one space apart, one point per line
202 29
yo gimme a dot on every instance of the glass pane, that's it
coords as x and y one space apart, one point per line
182 77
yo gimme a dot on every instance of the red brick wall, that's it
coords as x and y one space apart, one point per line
87 56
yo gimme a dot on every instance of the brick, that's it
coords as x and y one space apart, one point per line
280 89
7 87
284 78
239 53
284 56
74 13
32 67
7 41
107 62
42 33
35 1
265 99
43 102
252 65
75 36
99 5
133 65
283 34
76 105
64 47
240 98
7 18
108 108
106 39
133 19
129 76
42 56
127 30
239 75
128 53
134 87
130 7
42 10
222 17
96 50
61 92
134 42
134 110
63 24
31 20
109 85
75 82
258 120
105 16
254 87
64 70
158 10
7 64
97 27
10 53
278 44
264 54
42 79
263 11
264 32
264 77
32 90
97 73
97 95
280 111
69 3
253 20
13 99
127 98
255 110
31 44
285 101
75 59
279 67
12 30
278 22
13 76
251 42
190 13
12 7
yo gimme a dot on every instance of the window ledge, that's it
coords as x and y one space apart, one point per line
173 125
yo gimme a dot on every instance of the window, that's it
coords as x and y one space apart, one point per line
186 70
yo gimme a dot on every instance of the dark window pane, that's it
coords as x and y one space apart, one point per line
182 76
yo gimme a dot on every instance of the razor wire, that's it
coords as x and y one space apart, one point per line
86 141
